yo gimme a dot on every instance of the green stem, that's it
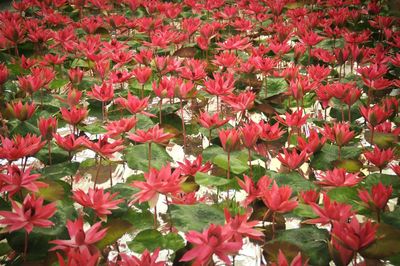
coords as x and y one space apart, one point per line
149 158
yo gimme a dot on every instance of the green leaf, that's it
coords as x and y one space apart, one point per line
140 219
275 86
382 140
310 240
152 239
392 218
196 217
95 128
387 243
210 152
116 229
173 241
60 170
210 180
348 195
304 211
58 155
351 165
323 159
292 179
58 83
237 166
136 157
149 239
57 190
4 248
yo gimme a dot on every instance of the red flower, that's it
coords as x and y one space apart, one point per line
339 133
21 111
134 105
270 133
154 134
239 226
142 74
277 199
380 157
242 102
354 235
332 211
81 240
251 190
69 142
211 122
47 127
75 75
213 240
222 84
16 179
157 182
235 43
338 178
103 93
78 257
3 74
282 261
250 133
193 69
311 143
309 196
103 147
74 115
375 115
116 128
296 119
189 168
378 197
292 160
19 147
318 73
229 139
97 200
146 259
32 213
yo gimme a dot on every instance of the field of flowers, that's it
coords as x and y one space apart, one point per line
199 132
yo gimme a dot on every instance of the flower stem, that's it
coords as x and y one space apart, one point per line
155 217
49 149
26 245
183 126
149 158
97 173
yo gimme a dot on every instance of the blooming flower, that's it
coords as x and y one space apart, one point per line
80 239
16 179
146 259
70 142
19 147
103 147
229 139
332 211
378 197
21 111
74 115
116 128
338 177
97 200
103 93
157 182
213 240
380 157
154 134
32 213
239 227
277 199
293 159
47 127
189 168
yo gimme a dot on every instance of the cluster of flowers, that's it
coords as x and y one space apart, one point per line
133 57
